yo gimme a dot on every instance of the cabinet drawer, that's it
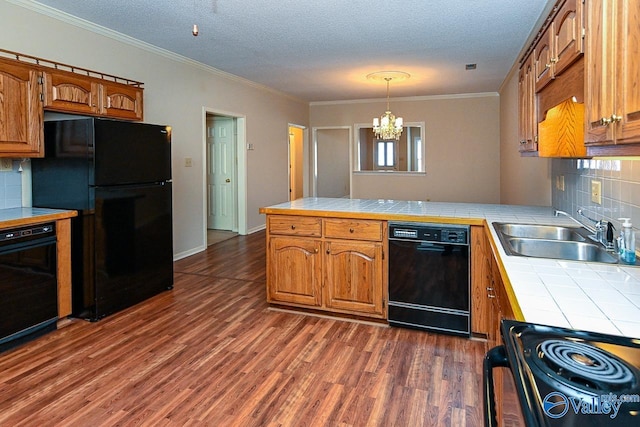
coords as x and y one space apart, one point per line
295 225
353 229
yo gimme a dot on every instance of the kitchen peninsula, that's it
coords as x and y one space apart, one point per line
580 295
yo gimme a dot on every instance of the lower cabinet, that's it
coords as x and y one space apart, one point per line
295 271
353 279
329 264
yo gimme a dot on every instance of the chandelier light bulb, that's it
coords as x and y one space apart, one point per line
195 30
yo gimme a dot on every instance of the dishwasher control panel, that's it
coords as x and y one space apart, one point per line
446 233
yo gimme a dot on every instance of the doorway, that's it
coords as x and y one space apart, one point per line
296 162
221 177
332 160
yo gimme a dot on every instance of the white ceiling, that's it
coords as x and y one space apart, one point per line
323 50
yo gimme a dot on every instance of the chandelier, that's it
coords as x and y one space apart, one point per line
388 126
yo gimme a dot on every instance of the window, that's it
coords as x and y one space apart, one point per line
386 157
407 155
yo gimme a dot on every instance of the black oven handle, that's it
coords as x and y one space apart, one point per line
495 358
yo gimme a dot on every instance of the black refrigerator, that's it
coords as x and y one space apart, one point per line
117 175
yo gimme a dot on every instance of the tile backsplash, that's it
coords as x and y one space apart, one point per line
11 187
620 190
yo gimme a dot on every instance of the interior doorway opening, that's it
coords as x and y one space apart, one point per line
224 187
298 162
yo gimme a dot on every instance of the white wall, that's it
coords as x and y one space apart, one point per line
523 180
462 137
176 91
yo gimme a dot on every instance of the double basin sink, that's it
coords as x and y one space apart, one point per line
548 241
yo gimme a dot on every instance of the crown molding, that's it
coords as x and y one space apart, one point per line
408 98
123 38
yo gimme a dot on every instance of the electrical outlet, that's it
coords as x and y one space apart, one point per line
6 165
188 162
596 191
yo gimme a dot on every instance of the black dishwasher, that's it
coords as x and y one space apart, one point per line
28 283
429 277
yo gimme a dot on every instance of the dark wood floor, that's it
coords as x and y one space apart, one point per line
211 353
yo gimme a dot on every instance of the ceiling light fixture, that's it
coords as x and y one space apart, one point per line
388 126
195 30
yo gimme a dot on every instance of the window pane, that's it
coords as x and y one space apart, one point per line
381 153
390 153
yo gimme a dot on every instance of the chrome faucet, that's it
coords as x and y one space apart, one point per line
603 230
558 212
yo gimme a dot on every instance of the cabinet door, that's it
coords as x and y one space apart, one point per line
528 111
480 282
294 271
628 72
353 280
70 93
567 36
121 101
21 113
543 59
599 71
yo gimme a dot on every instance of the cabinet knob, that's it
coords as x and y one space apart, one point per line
491 296
615 118
351 230
293 227
328 251
605 121
316 250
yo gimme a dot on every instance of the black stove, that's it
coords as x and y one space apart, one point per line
566 377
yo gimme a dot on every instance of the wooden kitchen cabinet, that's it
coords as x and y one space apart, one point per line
295 271
70 92
612 74
481 306
527 117
21 113
30 85
121 101
561 43
551 73
330 264
353 280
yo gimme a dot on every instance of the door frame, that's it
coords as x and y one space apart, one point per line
241 169
305 158
314 159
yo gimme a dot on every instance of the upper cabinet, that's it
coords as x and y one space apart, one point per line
72 93
551 73
527 123
21 114
30 85
612 75
561 44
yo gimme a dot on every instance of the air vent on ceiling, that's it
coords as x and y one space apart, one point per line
470 66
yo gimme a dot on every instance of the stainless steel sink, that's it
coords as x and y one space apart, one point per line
550 232
549 241
558 249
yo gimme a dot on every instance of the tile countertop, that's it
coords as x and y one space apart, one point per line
17 217
578 295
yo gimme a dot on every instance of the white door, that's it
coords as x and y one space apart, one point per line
220 172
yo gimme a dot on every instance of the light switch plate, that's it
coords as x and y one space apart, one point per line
596 191
188 162
6 165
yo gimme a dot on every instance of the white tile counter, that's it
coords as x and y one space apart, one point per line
579 295
16 217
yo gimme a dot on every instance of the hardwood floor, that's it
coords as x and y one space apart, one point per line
211 353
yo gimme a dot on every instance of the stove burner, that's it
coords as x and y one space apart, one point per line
588 363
